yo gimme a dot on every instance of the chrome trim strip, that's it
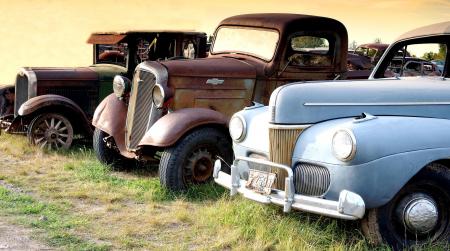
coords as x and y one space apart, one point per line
378 104
276 126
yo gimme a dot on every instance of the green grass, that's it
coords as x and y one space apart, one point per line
90 206
54 220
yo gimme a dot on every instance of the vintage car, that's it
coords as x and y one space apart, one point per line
178 111
52 105
376 150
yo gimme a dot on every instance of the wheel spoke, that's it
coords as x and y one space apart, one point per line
63 135
52 123
58 124
62 142
37 141
46 123
43 144
62 129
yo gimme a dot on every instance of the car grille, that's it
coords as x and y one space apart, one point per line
21 92
311 180
282 143
139 116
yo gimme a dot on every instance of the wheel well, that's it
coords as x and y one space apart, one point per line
444 162
151 150
73 116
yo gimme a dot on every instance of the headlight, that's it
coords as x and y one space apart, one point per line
121 86
237 128
158 96
344 145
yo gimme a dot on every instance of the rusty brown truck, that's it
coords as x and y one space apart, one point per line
177 112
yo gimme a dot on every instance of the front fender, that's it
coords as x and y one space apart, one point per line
170 128
389 152
110 117
52 103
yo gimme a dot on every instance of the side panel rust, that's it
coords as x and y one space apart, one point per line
110 117
167 130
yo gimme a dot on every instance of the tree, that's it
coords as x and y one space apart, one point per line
377 40
308 42
353 45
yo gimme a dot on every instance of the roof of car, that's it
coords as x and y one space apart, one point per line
280 21
434 29
116 37
377 46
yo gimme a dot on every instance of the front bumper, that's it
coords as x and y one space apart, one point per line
350 206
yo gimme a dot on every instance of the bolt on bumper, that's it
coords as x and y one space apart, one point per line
350 206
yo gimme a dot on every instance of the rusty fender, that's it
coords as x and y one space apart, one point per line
110 117
55 103
170 128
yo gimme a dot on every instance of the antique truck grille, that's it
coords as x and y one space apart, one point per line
21 93
282 143
139 108
311 180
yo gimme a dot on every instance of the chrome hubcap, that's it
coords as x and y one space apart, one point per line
419 213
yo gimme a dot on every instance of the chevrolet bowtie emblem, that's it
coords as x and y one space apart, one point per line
214 81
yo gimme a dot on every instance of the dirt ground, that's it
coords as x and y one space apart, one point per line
13 237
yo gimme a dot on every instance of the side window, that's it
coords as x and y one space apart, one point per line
188 49
112 54
309 51
418 60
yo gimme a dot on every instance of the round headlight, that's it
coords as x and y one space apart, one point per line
344 145
121 86
237 128
158 96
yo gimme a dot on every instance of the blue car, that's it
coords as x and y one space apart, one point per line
376 150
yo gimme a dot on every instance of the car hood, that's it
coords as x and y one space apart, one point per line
222 67
307 103
63 73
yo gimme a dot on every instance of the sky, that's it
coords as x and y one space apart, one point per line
54 33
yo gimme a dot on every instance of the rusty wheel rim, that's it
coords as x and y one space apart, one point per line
52 133
199 166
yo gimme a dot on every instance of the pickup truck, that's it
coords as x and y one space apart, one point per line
54 105
177 112
375 150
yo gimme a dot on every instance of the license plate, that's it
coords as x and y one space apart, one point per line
260 181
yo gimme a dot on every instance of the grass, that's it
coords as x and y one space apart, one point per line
86 205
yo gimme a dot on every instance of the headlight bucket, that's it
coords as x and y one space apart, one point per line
158 96
121 86
344 145
237 128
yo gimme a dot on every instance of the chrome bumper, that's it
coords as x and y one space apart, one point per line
350 206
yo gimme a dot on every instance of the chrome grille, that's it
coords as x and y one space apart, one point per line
139 108
311 180
282 143
21 92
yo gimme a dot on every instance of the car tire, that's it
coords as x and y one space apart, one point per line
397 223
191 159
50 131
109 156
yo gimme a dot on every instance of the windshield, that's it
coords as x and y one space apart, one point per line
111 54
260 43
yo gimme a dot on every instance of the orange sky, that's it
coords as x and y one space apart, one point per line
53 33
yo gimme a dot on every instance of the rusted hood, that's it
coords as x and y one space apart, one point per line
211 67
64 73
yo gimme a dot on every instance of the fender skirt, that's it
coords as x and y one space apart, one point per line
110 117
170 128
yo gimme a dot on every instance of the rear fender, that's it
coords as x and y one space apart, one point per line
58 104
170 128
110 117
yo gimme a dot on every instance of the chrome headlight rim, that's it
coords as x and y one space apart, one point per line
243 131
121 86
351 154
158 102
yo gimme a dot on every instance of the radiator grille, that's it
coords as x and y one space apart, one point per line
311 180
282 143
139 108
21 92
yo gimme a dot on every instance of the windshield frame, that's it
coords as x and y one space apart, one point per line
244 52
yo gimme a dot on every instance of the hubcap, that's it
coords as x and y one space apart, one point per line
200 165
419 213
